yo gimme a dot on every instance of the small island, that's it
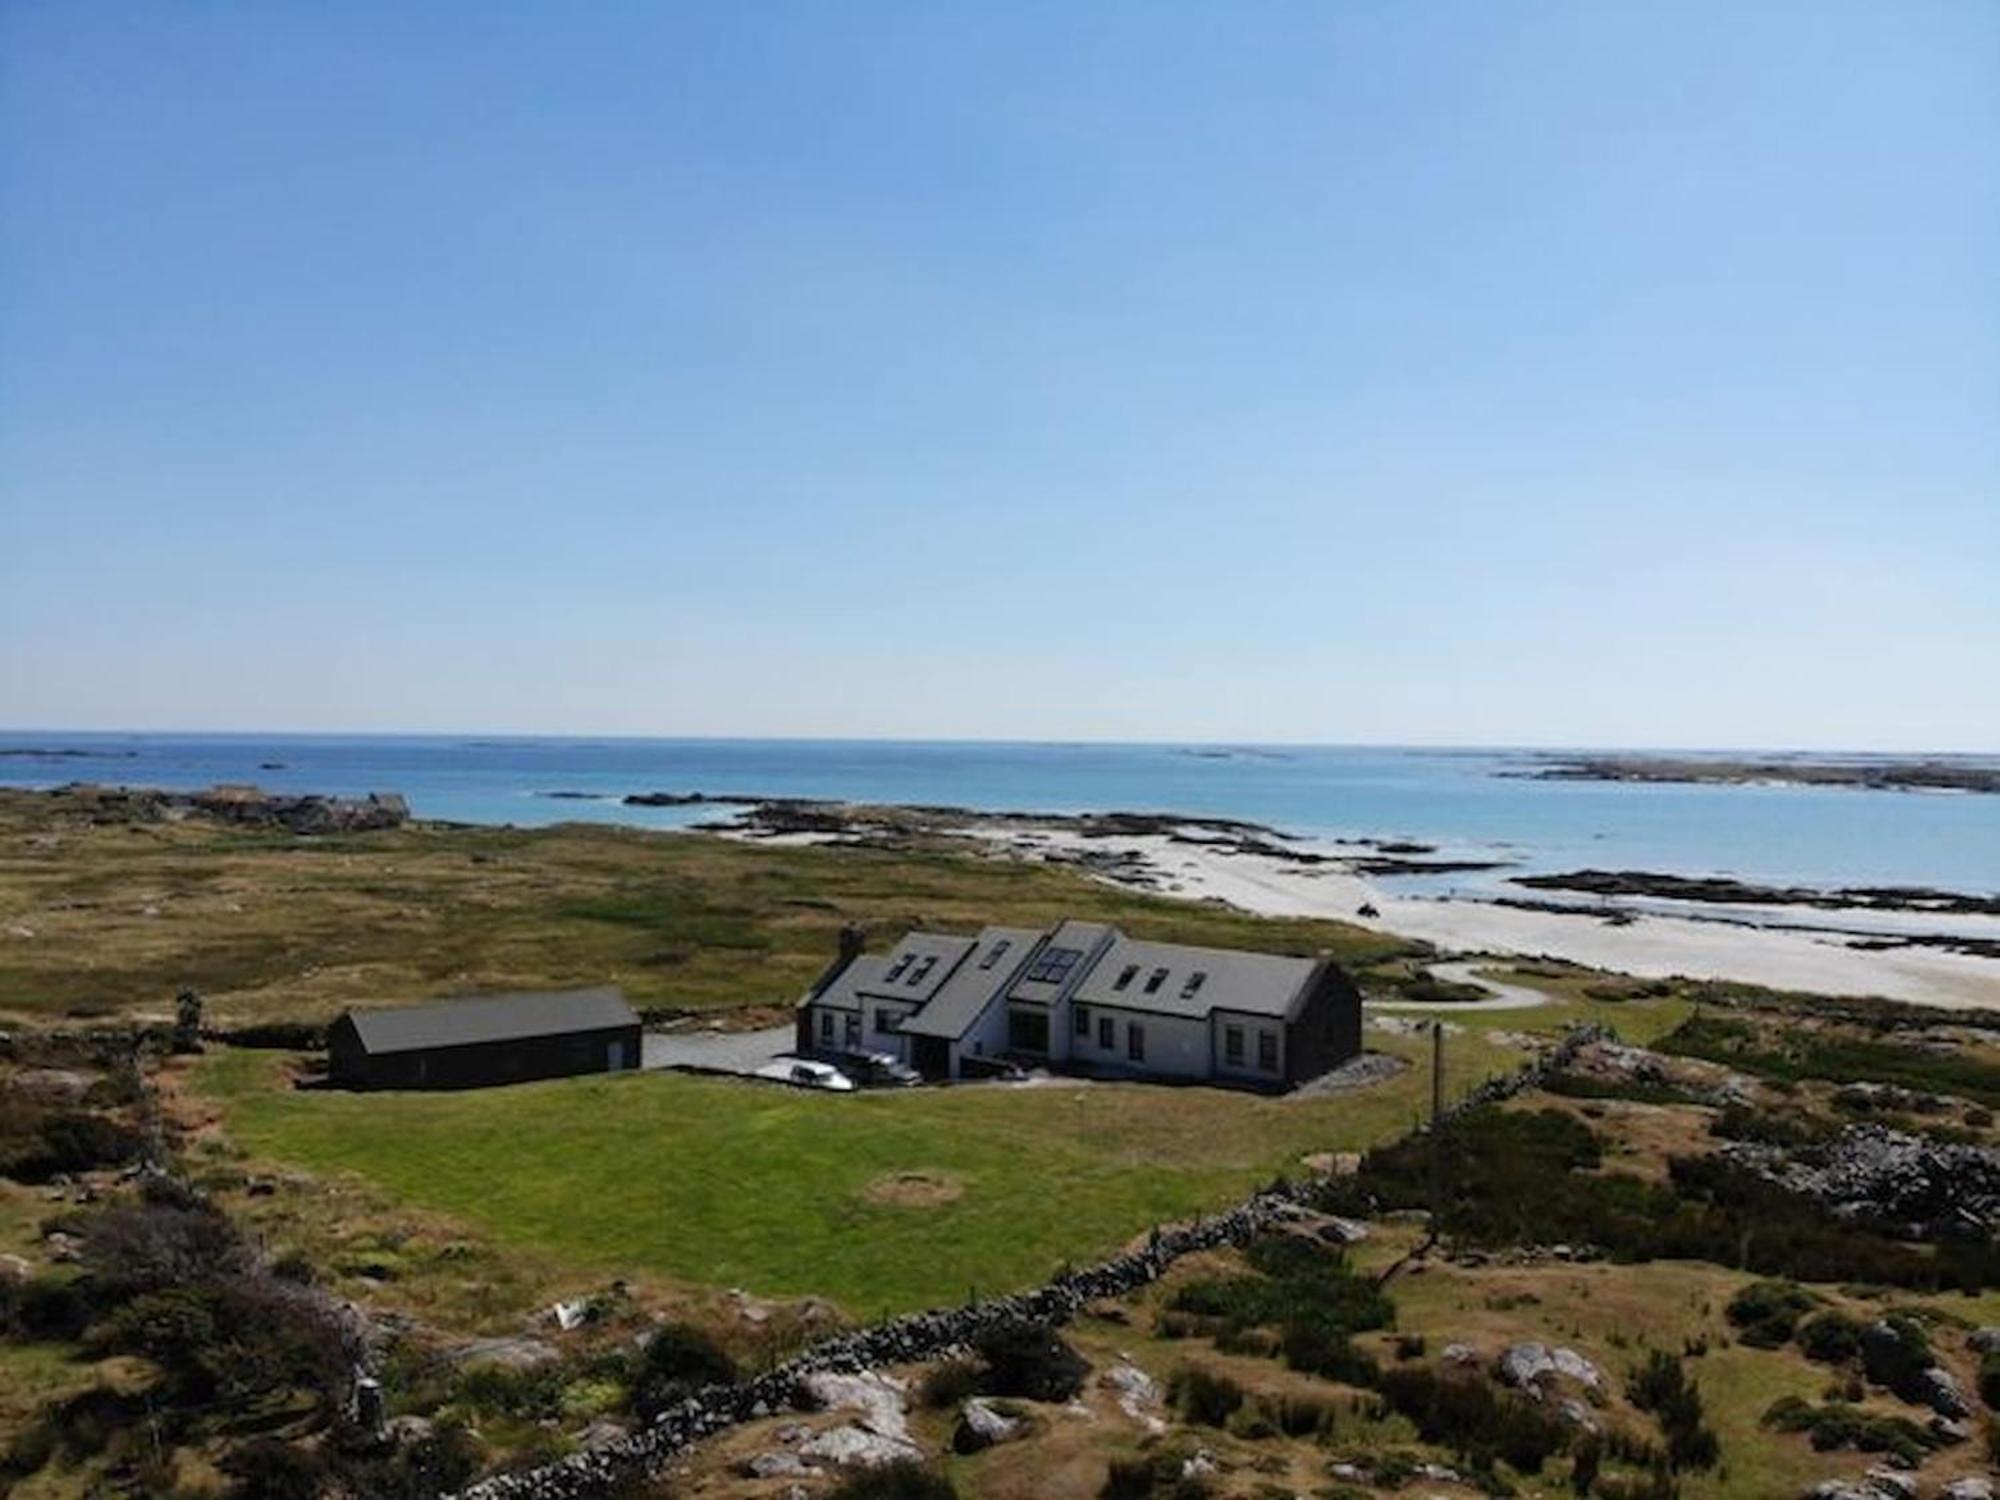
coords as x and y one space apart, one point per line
1930 775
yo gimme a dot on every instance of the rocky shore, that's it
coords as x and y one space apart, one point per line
1870 775
1724 890
248 805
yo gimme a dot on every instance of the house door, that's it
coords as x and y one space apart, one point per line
932 1056
853 1033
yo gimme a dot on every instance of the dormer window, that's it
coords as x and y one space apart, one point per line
1154 980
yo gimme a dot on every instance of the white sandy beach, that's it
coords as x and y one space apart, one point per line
1650 946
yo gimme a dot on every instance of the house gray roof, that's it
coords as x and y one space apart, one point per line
1161 978
1054 969
489 1018
998 954
909 973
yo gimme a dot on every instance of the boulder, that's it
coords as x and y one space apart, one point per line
1134 1388
854 1447
1531 1364
508 1354
878 1398
981 1425
778 1463
1938 1389
1972 1487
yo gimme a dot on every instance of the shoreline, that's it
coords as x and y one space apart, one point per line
1838 951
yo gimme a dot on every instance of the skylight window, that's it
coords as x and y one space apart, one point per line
1194 982
896 969
1126 975
995 953
1154 980
1054 965
917 977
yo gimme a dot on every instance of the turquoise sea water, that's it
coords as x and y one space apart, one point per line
1457 799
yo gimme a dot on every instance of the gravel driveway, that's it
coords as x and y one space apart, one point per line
716 1051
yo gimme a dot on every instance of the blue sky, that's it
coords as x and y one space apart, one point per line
1604 374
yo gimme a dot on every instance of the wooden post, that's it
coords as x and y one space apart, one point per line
1437 1127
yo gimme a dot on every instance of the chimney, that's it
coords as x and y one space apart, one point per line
852 940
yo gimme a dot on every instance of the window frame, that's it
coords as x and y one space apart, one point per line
1267 1051
1135 1042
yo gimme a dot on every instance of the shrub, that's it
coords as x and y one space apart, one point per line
1661 1386
1837 1424
947 1384
1895 1352
267 1469
904 1480
1989 1377
1478 1420
1298 1415
151 1246
1832 1338
1156 1476
1030 1361
1766 1312
51 1307
1203 1396
677 1361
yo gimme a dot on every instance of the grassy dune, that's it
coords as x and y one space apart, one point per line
108 920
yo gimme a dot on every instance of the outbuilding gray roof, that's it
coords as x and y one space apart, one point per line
490 1018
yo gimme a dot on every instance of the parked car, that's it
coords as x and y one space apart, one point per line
807 1075
880 1069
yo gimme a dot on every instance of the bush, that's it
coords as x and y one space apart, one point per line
1155 1476
267 1469
1895 1352
947 1384
677 1361
50 1307
1832 1338
1030 1361
1203 1396
1476 1419
41 1145
1837 1424
1989 1377
1661 1386
1766 1312
904 1480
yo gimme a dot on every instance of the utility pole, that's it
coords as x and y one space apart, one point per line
1437 1127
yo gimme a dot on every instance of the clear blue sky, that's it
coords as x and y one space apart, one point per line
1593 373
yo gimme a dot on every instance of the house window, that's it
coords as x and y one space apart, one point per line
1028 1031
1054 965
852 1030
1232 1046
994 953
1082 1014
1194 982
826 1026
1267 1051
886 1020
917 976
1104 1036
1154 980
1126 975
1135 1042
896 969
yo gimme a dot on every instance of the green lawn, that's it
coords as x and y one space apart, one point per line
724 1183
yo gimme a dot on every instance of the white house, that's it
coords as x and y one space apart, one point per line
1086 997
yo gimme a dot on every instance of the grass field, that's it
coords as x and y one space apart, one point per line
109 920
723 1183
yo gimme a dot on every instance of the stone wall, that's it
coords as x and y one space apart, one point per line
919 1336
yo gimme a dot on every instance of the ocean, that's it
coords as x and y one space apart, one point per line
1469 803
